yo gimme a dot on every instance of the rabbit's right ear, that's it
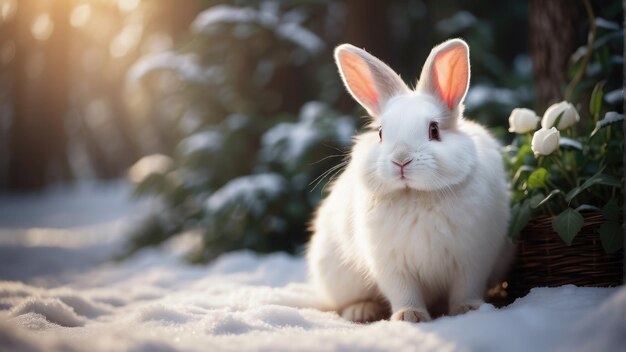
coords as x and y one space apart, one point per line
369 80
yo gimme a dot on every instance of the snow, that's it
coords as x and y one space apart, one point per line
301 36
606 24
154 301
614 96
65 229
287 142
481 94
457 23
287 27
187 66
296 137
227 14
204 141
251 190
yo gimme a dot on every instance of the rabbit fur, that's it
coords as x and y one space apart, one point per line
415 226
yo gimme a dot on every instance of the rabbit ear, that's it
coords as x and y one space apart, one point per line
446 73
369 80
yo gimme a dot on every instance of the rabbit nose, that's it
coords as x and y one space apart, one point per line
402 164
401 156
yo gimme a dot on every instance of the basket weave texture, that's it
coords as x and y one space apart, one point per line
543 259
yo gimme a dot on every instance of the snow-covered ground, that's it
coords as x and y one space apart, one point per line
58 291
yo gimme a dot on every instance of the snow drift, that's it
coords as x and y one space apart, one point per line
241 301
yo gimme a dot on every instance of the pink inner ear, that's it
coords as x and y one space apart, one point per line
359 78
450 74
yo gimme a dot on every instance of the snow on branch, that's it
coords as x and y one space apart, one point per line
287 27
185 65
251 191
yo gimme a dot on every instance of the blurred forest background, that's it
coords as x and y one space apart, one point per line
231 112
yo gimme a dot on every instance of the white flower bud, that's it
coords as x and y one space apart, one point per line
569 118
545 141
522 120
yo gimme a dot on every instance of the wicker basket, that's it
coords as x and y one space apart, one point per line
544 260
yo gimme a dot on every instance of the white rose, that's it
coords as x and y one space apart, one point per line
522 120
545 141
569 118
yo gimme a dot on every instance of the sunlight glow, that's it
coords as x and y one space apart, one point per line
98 114
137 100
42 27
157 42
127 5
7 53
34 65
7 10
126 40
80 15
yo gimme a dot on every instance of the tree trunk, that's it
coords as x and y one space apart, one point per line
551 44
37 145
26 158
180 14
367 26
55 98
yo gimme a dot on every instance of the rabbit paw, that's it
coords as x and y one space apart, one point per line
463 308
411 315
363 312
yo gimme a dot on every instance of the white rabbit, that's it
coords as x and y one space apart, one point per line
417 221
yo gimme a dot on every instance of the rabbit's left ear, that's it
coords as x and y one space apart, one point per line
446 73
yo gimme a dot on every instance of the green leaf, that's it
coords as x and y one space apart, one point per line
521 170
595 103
548 197
611 236
535 200
587 207
570 143
609 118
603 40
606 24
597 179
524 151
520 217
517 195
537 178
567 224
611 210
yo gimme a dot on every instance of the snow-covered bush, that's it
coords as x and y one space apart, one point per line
265 208
249 146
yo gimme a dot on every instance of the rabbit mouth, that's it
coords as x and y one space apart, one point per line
404 179
401 176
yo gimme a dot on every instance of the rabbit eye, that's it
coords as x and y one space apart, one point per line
380 134
433 131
